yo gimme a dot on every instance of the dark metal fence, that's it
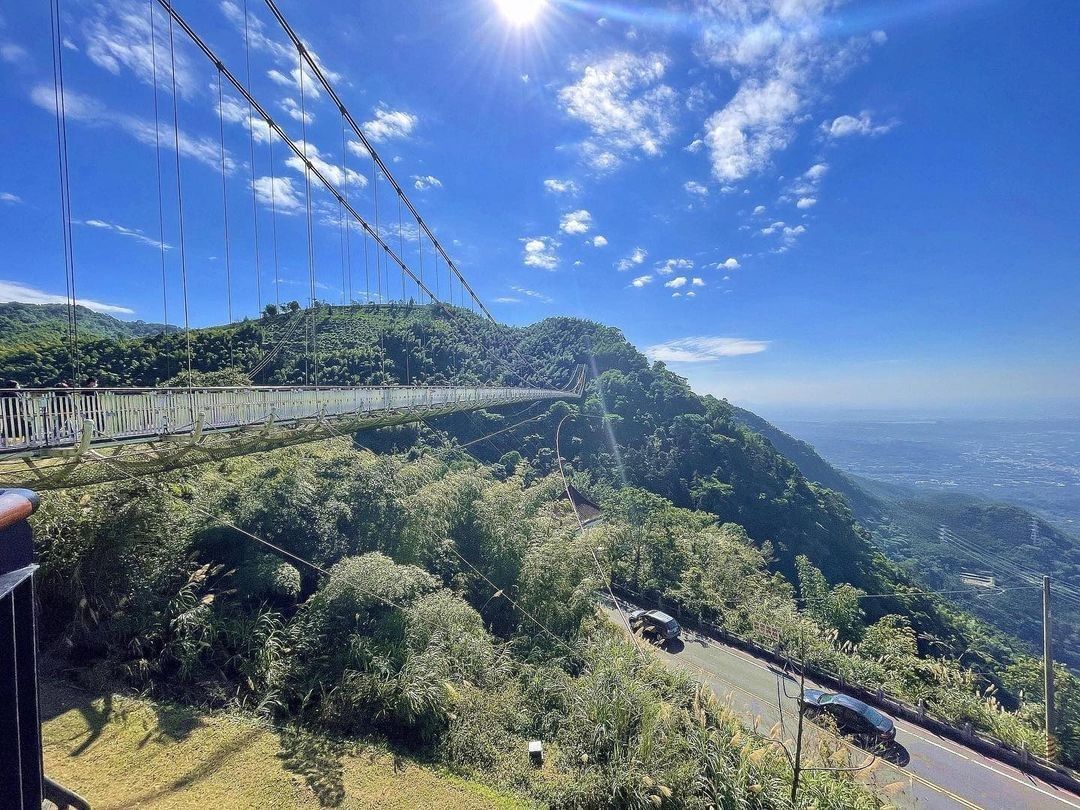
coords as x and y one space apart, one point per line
22 780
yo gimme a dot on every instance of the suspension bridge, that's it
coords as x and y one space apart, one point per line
72 435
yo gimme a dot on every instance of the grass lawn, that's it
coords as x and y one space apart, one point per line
124 752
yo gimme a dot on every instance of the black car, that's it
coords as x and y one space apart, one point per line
851 716
655 623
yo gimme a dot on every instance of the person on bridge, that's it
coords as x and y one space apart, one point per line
14 429
91 406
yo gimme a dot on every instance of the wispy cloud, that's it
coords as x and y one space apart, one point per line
116 37
556 186
636 257
90 111
641 281
847 125
9 198
278 193
536 296
422 182
782 61
14 54
331 171
694 187
389 124
628 110
666 268
24 294
130 233
704 349
676 283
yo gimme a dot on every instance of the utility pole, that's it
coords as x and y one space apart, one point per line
1048 669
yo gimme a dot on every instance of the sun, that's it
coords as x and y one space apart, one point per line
520 12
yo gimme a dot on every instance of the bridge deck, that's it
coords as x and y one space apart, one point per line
45 434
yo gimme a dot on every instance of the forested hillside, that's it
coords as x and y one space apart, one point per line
642 442
24 324
982 536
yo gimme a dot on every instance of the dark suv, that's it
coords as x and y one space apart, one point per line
865 723
655 623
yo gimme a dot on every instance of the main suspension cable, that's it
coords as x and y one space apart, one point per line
65 189
180 195
160 195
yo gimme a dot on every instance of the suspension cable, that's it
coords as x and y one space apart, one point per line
160 196
273 216
251 149
318 72
180 195
65 189
225 208
310 232
389 253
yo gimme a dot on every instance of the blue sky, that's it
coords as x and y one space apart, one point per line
798 204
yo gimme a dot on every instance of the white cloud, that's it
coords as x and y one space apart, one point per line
879 37
625 105
537 296
759 210
8 197
675 283
506 299
698 282
730 263
694 187
691 294
358 149
117 37
13 54
599 241
539 252
21 293
389 124
778 53
331 171
131 233
636 257
756 123
90 111
279 193
556 186
576 222
641 281
704 349
292 109
806 202
666 268
846 125
426 181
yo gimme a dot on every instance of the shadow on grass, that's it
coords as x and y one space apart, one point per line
318 760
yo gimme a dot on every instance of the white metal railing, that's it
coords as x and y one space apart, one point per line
32 419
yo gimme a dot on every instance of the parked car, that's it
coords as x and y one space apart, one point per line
851 716
655 623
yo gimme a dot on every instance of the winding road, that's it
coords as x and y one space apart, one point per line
922 770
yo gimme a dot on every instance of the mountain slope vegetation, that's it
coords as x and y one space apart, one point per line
640 434
1013 544
25 324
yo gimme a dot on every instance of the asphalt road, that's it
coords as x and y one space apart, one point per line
921 770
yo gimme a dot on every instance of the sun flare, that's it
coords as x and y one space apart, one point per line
520 12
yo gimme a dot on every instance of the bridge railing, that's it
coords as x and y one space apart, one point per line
33 419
